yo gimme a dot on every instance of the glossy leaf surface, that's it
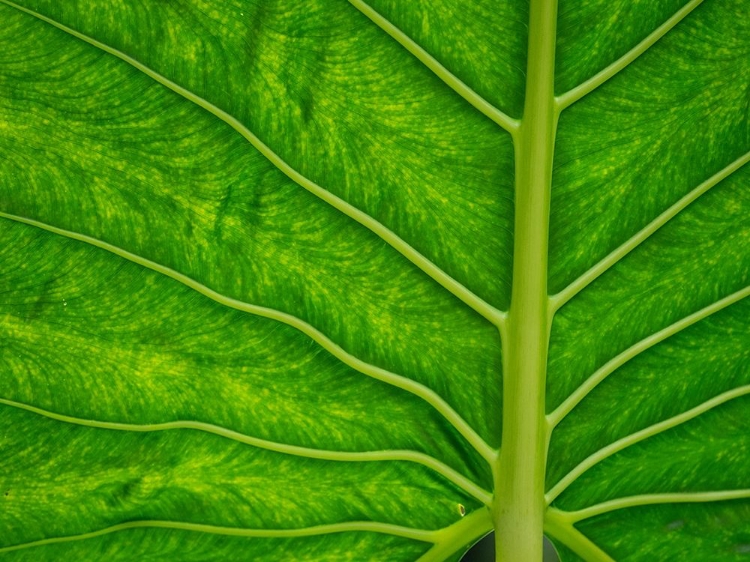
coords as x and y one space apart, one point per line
257 263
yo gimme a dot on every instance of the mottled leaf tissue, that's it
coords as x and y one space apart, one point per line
343 280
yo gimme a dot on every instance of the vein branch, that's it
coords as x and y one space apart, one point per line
508 123
457 289
641 435
339 456
564 296
656 499
557 526
464 532
358 526
572 96
378 373
612 365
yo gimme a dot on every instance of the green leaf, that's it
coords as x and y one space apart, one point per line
364 281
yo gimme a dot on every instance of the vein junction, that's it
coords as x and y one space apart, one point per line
557 523
651 499
469 298
492 314
608 368
569 98
560 524
364 526
474 525
482 105
560 299
639 436
428 395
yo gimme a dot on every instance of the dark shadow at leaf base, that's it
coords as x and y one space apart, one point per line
484 551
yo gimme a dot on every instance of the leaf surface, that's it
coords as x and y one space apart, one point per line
257 266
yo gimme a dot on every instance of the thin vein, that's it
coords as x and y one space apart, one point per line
456 84
575 94
398 381
558 527
655 499
461 292
639 436
560 299
340 456
612 365
462 533
364 526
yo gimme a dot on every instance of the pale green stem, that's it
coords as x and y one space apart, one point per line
519 473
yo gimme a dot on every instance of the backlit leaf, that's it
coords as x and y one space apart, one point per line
344 281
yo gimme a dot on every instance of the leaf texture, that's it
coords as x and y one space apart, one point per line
257 266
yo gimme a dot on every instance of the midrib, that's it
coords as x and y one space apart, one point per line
519 472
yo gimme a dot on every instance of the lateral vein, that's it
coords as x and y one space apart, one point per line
558 527
615 363
508 123
641 435
465 531
655 499
363 526
564 296
340 456
378 373
570 97
452 285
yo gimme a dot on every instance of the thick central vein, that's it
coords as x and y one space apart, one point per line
519 474
457 289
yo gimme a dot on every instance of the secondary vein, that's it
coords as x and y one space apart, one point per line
641 435
572 96
615 363
364 526
456 84
340 456
465 531
558 527
654 499
378 373
457 289
560 299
